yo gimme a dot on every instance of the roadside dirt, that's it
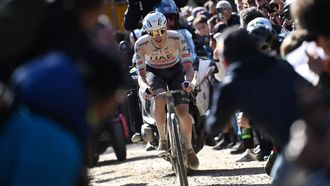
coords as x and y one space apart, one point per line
144 168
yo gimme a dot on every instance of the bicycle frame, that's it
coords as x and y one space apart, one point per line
177 155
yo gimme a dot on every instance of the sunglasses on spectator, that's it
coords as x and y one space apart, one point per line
156 33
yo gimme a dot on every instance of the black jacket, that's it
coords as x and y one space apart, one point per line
266 89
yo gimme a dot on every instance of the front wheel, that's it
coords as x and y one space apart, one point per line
177 151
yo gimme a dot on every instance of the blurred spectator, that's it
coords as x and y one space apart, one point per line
137 9
15 16
202 36
307 151
288 24
248 15
102 33
225 13
273 10
249 3
212 22
239 5
64 85
196 12
220 28
210 7
261 30
269 76
292 41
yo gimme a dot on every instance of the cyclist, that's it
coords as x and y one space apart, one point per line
161 55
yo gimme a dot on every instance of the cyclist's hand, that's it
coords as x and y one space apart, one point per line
147 93
187 86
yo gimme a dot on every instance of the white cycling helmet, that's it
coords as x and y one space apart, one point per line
259 22
154 21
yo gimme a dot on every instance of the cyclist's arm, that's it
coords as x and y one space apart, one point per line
139 60
186 59
189 71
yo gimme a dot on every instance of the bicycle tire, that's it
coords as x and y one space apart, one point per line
118 141
177 150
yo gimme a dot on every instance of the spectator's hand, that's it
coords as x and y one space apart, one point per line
187 86
315 63
243 121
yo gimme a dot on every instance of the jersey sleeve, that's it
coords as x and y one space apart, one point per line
184 51
138 57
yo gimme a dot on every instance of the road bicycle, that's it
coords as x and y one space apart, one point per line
176 153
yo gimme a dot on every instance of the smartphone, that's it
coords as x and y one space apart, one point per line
220 13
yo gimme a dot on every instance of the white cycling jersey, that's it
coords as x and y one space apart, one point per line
161 58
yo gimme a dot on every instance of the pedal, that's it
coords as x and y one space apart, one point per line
165 155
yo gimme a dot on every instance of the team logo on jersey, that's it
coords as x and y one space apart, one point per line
162 58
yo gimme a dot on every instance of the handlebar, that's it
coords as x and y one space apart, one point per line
168 93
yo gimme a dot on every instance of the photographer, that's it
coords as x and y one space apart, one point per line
225 14
273 10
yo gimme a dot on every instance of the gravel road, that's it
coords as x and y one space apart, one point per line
144 168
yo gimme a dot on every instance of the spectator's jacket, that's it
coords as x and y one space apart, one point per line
42 141
234 20
36 150
51 86
266 89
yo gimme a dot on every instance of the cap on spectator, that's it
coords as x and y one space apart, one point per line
196 11
223 5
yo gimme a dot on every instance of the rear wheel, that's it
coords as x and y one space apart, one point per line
198 134
118 140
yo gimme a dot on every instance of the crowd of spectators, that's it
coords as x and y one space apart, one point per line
282 35
60 76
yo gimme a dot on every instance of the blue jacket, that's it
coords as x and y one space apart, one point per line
35 150
51 85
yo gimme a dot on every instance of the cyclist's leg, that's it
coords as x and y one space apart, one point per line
186 120
182 110
174 81
158 84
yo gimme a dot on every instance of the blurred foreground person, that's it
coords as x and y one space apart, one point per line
263 87
307 154
44 138
61 87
